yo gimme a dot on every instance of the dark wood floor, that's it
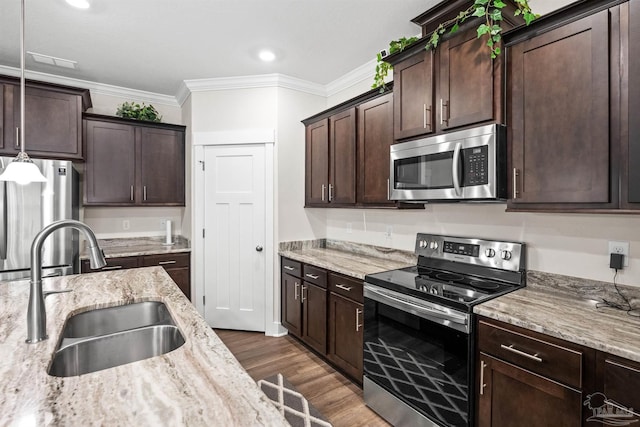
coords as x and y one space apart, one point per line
337 398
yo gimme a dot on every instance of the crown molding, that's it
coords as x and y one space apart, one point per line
364 72
98 88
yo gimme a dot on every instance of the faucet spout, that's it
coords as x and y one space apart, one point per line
36 314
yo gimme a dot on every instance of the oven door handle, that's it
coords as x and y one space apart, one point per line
455 169
419 309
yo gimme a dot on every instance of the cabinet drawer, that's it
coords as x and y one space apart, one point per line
346 286
542 357
289 266
166 260
315 275
119 263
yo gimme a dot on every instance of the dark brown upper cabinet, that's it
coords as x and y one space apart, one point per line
413 101
630 125
347 153
453 86
566 92
375 136
130 163
53 119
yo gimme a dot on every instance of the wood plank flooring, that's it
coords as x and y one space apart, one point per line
337 398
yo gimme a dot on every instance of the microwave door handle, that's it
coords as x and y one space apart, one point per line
3 220
455 169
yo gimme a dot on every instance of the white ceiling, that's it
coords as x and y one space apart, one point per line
153 45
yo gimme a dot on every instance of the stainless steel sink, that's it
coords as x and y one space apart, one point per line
120 318
108 337
107 351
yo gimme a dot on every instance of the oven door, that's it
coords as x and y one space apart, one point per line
456 166
416 360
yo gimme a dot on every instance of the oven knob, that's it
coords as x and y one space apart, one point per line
506 255
490 253
433 245
423 243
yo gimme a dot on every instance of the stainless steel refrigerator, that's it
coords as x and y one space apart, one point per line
26 209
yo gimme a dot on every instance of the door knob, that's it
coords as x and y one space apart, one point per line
259 248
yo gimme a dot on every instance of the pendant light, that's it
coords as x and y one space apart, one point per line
22 170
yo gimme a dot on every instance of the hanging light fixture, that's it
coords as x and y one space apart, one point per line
22 170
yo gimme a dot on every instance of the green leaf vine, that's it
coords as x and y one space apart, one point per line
489 10
135 111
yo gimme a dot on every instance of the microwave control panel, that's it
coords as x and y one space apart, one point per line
476 165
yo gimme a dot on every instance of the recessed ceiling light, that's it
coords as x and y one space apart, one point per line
267 55
80 4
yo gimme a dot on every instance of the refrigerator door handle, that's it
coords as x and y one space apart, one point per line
3 221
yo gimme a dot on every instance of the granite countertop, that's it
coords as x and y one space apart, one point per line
569 316
200 383
135 246
350 259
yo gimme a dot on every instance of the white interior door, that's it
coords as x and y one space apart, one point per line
234 236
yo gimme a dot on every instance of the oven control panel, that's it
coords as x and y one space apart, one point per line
487 253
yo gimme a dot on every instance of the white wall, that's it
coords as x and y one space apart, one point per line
143 221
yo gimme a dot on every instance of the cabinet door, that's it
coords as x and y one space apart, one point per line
161 166
622 386
345 335
182 278
512 396
559 117
631 171
413 100
291 306
110 166
314 315
375 136
317 163
4 125
53 123
465 76
342 150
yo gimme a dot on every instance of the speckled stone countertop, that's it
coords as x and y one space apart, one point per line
198 384
351 259
135 246
565 308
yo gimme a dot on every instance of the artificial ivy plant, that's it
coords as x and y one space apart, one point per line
131 110
489 10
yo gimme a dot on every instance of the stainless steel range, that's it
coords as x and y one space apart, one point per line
418 327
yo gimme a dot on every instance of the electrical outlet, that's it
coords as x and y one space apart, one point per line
349 228
125 224
620 248
389 231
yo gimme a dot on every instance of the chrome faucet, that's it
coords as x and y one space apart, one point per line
36 314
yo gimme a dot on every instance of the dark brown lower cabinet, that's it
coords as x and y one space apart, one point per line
620 384
513 396
345 335
291 307
177 265
314 323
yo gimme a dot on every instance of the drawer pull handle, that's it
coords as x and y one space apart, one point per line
482 384
166 262
286 267
521 353
112 267
358 324
312 276
343 287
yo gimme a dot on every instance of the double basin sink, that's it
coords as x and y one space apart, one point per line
108 337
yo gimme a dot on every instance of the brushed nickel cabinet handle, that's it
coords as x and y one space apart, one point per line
131 193
302 294
521 353
323 187
424 116
515 183
312 276
388 191
330 192
17 146
444 104
111 267
358 324
289 268
296 285
427 117
166 262
343 287
144 193
482 384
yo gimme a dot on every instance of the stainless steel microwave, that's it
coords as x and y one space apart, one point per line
465 165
